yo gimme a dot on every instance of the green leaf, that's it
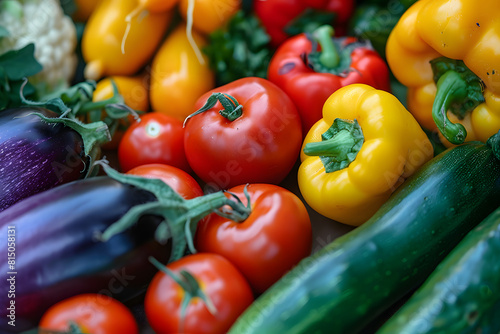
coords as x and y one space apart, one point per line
242 49
10 89
21 63
310 20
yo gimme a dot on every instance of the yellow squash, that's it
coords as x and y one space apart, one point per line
362 149
112 47
464 105
178 77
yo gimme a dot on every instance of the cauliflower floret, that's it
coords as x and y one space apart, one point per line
43 23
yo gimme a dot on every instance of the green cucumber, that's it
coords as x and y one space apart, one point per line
352 280
463 294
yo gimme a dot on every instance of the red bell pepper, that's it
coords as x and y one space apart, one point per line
285 18
310 67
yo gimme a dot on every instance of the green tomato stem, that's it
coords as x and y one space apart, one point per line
191 288
232 109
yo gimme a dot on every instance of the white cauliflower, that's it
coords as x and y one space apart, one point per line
43 23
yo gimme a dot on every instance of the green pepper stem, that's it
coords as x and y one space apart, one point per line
232 109
451 87
329 56
337 146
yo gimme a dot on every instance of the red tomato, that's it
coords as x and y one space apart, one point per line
260 146
183 183
225 286
274 238
157 138
92 313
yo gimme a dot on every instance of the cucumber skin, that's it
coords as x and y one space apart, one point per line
347 284
463 294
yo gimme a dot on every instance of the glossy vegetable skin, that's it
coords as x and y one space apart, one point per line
258 143
178 76
355 278
311 67
228 292
363 148
278 15
58 256
183 183
155 139
209 15
109 50
458 30
36 155
89 313
463 294
277 216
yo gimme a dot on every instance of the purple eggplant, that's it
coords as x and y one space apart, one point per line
93 236
56 253
40 150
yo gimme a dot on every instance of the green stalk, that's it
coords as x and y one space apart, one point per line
459 91
191 289
232 109
339 145
329 56
93 134
178 213
451 87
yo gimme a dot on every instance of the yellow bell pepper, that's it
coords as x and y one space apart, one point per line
362 149
107 47
178 77
447 52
